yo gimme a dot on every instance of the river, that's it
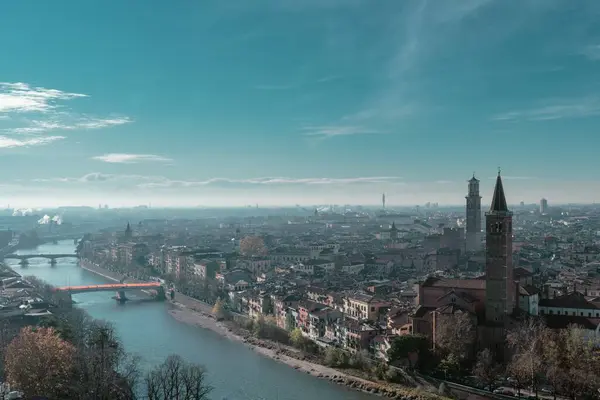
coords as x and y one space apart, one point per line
146 329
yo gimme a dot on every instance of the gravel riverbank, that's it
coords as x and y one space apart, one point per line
193 312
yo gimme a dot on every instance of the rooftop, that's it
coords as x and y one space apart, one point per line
499 199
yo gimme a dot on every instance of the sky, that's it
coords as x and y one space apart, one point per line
283 102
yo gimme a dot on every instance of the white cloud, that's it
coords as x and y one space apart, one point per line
563 109
20 97
592 52
7 142
275 181
69 124
147 182
44 113
337 130
123 158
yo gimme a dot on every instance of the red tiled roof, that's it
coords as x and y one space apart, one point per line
520 272
477 284
571 300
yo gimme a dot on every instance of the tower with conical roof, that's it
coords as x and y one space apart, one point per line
128 232
473 214
499 290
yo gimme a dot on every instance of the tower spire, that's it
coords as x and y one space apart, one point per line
499 200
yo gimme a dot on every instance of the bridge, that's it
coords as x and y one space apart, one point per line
24 258
120 288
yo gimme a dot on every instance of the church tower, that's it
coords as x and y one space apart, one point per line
128 232
473 213
499 296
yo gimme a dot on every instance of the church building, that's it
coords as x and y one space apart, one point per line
490 299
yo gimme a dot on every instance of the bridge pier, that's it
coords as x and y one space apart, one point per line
24 262
121 298
53 261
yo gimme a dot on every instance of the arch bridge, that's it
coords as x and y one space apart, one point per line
120 288
24 258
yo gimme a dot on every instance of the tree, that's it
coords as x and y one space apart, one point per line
360 360
103 368
486 369
449 365
40 363
259 328
336 357
408 347
253 246
455 334
527 343
575 363
296 337
219 310
176 379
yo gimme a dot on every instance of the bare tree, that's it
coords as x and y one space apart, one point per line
176 379
527 343
103 369
576 363
455 334
253 246
486 369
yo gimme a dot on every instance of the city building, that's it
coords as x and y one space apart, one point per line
543 206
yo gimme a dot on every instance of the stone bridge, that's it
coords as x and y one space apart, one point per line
24 258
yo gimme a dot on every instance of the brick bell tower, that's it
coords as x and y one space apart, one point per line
499 296
473 214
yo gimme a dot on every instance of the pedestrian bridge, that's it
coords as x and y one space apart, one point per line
24 258
118 287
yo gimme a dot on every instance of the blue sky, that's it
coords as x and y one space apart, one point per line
297 101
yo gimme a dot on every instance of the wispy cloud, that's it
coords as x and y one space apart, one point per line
21 97
513 178
592 52
150 182
83 123
124 158
269 182
40 110
7 142
337 130
573 108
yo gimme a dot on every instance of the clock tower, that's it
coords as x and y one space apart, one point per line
473 235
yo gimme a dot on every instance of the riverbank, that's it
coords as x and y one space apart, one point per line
194 312
98 270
